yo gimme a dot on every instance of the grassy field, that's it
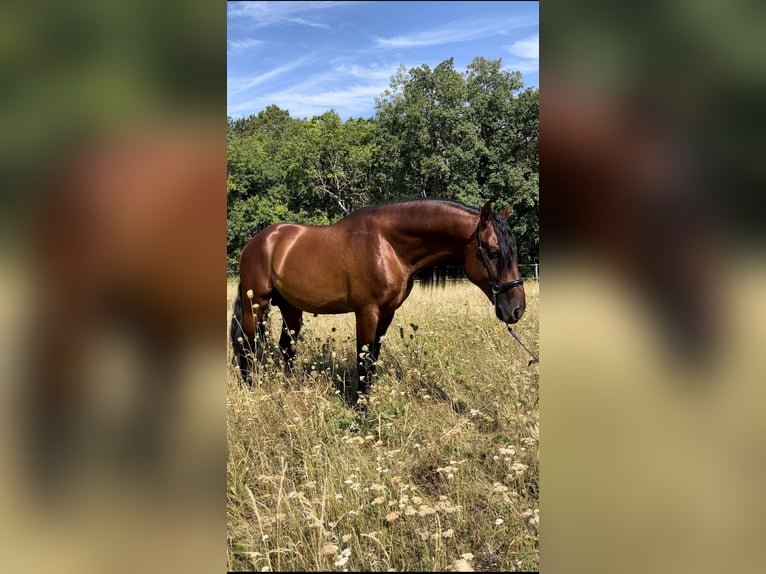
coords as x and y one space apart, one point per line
441 471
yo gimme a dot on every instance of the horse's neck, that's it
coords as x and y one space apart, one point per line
424 240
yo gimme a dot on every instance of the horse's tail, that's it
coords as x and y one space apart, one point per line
238 337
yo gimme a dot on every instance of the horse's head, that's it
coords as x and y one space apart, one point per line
492 264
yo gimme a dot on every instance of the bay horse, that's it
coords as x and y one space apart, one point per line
366 264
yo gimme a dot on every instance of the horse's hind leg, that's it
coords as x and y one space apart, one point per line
248 331
292 323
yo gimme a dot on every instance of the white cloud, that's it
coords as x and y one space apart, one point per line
460 31
261 14
529 48
309 99
240 45
370 72
237 86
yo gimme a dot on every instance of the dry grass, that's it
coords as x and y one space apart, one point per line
440 473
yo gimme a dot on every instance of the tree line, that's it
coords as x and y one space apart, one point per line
440 133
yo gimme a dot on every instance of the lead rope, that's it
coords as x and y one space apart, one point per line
497 289
535 358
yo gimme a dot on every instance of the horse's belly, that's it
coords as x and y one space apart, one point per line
321 297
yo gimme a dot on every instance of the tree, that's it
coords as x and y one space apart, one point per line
471 137
428 143
339 161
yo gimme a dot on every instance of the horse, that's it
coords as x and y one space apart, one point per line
366 264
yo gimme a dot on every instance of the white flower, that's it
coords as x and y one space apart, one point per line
519 468
343 558
499 521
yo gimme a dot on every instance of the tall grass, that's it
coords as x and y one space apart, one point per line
439 473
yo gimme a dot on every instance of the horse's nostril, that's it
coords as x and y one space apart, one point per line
516 314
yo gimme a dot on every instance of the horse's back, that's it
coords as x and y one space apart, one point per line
320 269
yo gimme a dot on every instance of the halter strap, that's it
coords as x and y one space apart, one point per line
497 289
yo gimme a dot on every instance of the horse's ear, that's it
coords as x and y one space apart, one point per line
486 213
506 212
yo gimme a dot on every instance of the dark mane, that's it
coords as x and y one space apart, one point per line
452 270
421 200
506 242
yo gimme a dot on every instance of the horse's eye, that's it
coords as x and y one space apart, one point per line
494 254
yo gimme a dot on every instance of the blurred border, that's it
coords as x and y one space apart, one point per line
653 436
112 259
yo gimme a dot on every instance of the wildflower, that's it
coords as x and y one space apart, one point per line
532 517
497 487
461 565
343 558
392 516
519 468
249 293
467 556
346 538
265 537
425 510
448 533
338 496
379 500
328 550
499 521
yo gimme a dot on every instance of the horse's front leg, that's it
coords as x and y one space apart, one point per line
366 329
371 325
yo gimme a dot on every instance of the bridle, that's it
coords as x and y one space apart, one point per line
497 288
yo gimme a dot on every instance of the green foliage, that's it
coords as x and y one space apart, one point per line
469 136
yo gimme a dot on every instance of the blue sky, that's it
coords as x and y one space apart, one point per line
310 57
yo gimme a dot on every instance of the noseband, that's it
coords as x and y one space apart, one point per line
497 288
